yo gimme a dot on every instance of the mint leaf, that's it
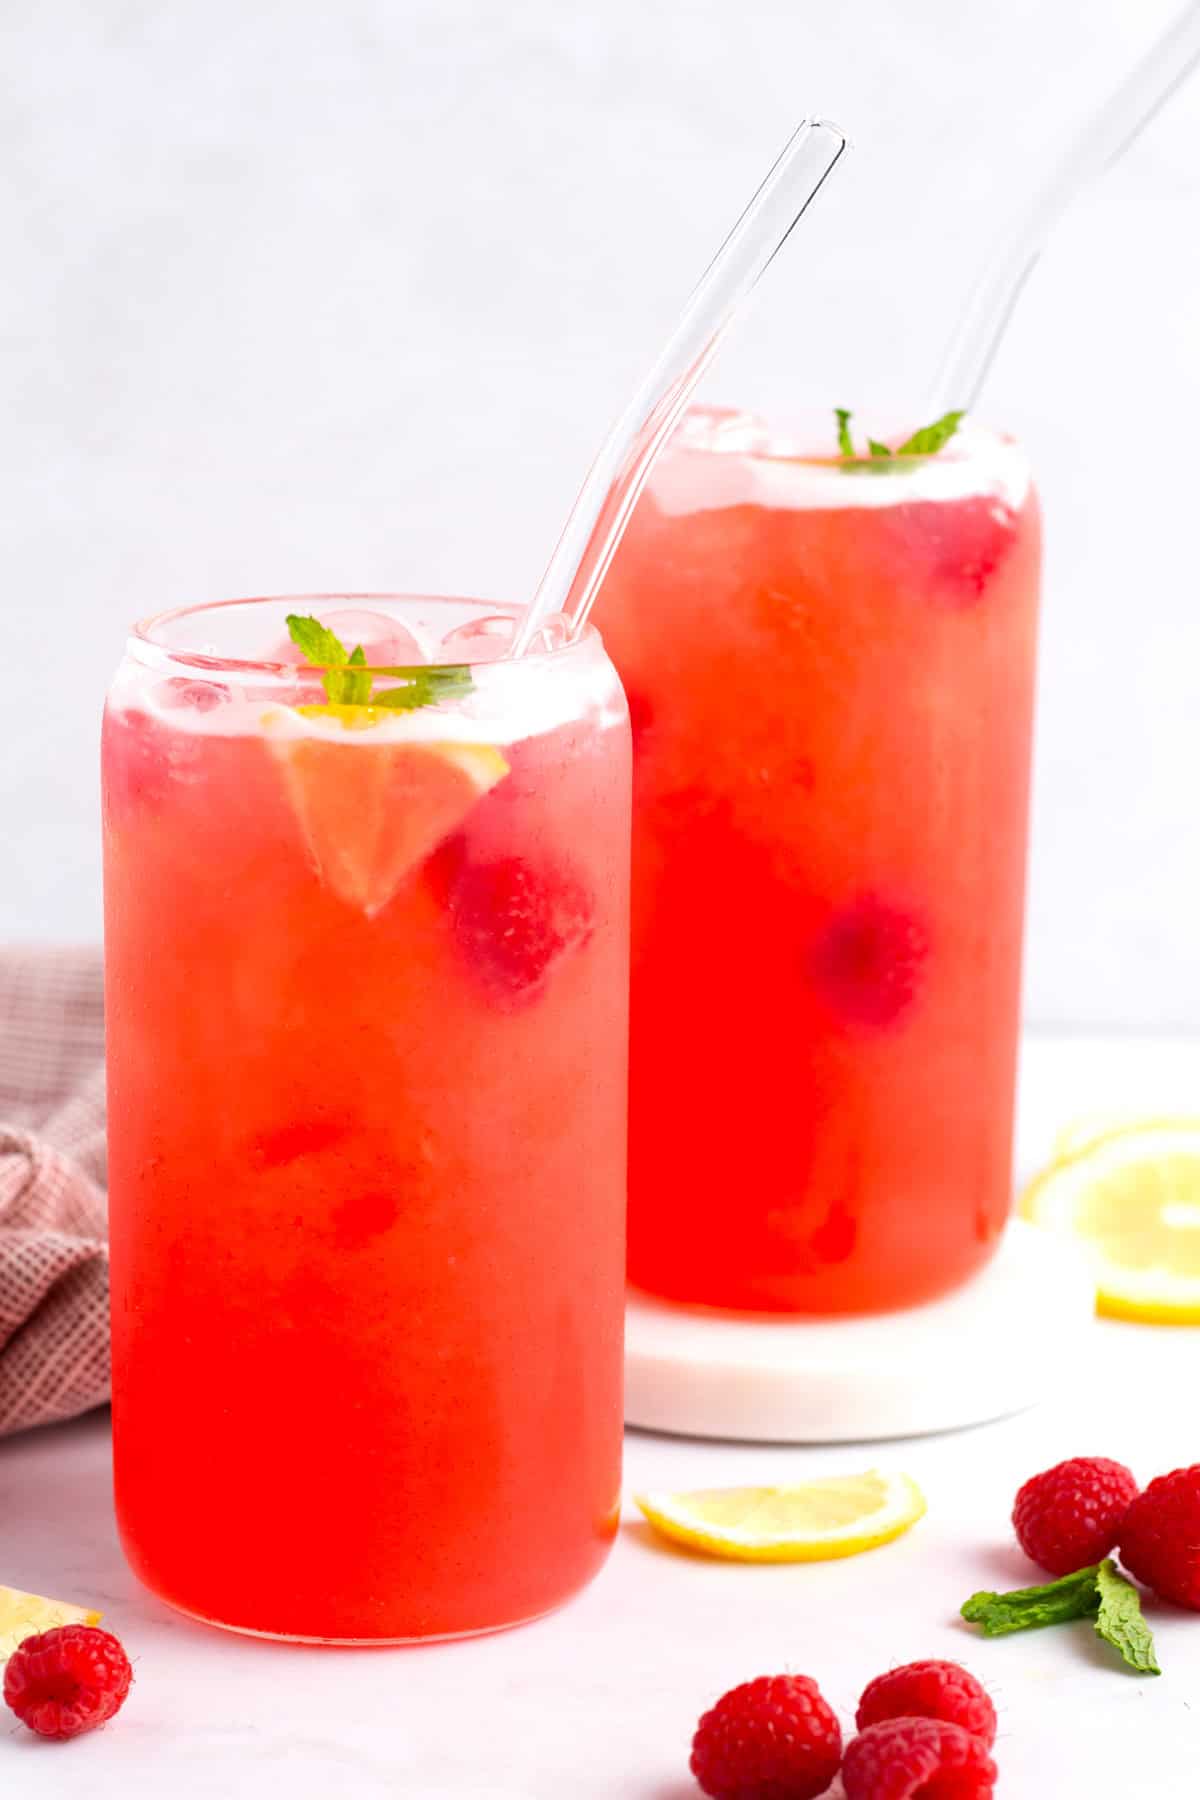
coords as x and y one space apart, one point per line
878 449
319 644
324 648
424 687
1120 1622
356 688
930 439
1024 1609
845 441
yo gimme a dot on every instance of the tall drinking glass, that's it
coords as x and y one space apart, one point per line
830 672
366 943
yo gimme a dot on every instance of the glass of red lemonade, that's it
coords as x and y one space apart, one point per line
367 939
830 665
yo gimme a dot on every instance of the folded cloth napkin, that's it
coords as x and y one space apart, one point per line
53 1214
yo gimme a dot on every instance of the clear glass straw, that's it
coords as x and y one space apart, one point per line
1106 136
602 510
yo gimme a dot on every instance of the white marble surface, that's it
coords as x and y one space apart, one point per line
301 296
601 1699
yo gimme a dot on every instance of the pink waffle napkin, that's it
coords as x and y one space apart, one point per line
53 1228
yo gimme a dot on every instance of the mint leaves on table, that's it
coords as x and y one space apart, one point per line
925 442
1099 1592
1024 1609
347 680
1120 1622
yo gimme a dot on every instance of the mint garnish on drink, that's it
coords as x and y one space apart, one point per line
925 442
1099 1592
348 682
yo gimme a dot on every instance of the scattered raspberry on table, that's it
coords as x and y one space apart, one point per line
1160 1537
901 1759
775 1738
930 1690
1071 1515
67 1680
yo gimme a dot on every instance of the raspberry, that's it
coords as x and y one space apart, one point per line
900 1759
775 1738
953 549
68 1680
930 1690
137 762
1160 1537
868 960
1071 1515
641 715
515 921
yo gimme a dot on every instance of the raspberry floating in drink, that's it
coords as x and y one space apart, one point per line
515 919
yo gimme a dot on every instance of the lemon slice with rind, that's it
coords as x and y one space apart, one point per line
21 1615
815 1521
372 811
1132 1202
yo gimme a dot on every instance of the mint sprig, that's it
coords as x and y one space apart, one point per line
925 442
1099 1592
348 682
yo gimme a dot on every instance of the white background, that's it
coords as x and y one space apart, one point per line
301 295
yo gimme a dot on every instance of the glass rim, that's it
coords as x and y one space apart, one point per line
713 431
147 647
898 462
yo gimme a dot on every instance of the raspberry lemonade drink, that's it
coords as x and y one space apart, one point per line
367 976
830 668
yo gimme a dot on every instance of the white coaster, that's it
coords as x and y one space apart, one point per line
990 1349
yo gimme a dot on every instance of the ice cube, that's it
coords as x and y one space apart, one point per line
481 640
385 641
200 696
724 428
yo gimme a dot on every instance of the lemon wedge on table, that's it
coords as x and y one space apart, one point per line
814 1521
371 811
21 1615
1081 1134
1131 1200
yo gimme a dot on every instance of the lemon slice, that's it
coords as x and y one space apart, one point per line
370 812
1132 1200
816 1521
1081 1134
23 1614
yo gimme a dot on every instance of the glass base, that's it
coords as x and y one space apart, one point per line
810 1380
366 1643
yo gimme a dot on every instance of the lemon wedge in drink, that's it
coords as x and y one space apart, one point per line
815 1521
21 1615
1131 1199
371 811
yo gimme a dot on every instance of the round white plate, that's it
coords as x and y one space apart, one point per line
993 1348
